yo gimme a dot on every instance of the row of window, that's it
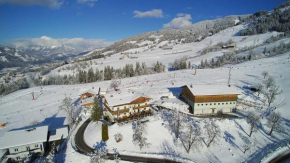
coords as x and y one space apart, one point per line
219 103
126 107
28 148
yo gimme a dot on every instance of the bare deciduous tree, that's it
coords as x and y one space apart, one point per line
168 149
100 152
259 88
139 135
70 110
253 120
270 81
265 74
274 121
247 145
212 131
114 84
272 93
177 123
191 136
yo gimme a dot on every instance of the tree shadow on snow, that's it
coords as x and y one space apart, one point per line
249 93
254 76
240 127
230 139
213 158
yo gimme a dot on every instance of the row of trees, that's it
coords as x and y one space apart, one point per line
107 74
13 86
180 64
274 122
268 88
188 132
233 57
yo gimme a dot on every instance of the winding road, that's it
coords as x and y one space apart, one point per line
80 143
82 147
281 158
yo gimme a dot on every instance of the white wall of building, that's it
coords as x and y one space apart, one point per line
213 107
25 150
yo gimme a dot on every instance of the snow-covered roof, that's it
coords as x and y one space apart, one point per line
23 137
119 99
88 100
87 91
57 134
199 90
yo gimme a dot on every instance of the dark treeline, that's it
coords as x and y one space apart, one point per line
13 86
263 21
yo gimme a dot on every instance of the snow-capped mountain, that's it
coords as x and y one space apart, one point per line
15 57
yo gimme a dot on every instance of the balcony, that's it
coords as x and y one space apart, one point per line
142 106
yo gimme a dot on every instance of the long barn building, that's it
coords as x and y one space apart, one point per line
209 99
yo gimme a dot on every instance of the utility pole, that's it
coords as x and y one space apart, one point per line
32 95
229 77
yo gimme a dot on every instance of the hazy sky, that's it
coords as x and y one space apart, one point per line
112 20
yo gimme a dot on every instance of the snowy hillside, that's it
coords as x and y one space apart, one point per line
17 108
191 51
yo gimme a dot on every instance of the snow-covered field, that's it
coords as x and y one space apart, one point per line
190 50
19 110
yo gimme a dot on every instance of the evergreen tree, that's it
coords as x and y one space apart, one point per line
145 68
265 50
201 64
205 63
98 76
90 75
189 65
96 110
131 70
138 69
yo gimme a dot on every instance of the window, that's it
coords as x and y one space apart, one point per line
226 103
233 102
214 103
230 103
15 149
197 104
222 103
36 145
218 103
201 104
205 104
210 104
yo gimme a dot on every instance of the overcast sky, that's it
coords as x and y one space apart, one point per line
111 20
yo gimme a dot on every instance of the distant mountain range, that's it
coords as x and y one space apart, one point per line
12 57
